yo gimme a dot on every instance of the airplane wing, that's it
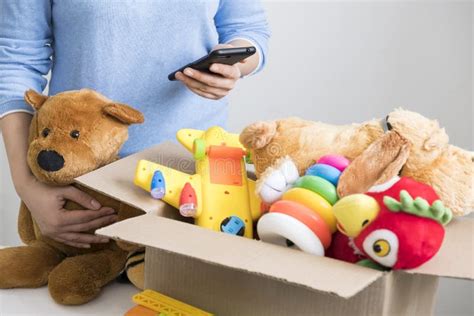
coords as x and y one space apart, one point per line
187 136
171 180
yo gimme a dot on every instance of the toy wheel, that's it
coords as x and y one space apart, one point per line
199 148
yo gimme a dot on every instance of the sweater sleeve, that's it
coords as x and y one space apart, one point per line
244 19
25 51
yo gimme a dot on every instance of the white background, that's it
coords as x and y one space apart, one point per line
348 61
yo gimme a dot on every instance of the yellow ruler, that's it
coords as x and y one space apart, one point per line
166 305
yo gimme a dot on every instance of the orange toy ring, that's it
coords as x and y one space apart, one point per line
307 216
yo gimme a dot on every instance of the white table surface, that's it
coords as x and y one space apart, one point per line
115 299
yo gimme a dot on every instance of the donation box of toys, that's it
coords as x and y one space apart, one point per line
201 226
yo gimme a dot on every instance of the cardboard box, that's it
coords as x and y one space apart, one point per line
229 275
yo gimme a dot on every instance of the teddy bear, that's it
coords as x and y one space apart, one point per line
412 143
71 134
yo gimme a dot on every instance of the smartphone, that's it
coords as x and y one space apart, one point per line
228 56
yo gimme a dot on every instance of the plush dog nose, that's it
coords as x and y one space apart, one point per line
49 160
389 126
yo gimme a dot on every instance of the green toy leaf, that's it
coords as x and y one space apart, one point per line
419 207
371 264
392 204
421 204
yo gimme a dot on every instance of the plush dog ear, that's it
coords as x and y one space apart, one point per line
258 135
35 99
124 113
380 162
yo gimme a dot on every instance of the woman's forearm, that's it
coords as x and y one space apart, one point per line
15 129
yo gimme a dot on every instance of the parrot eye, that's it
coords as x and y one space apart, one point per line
382 246
365 222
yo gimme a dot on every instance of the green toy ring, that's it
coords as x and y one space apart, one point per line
199 149
320 186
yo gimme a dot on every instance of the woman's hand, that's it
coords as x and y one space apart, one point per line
46 204
215 85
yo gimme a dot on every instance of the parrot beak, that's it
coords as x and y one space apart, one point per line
355 212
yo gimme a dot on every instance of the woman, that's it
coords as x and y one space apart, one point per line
124 50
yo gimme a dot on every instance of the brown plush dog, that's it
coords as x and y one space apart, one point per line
415 144
72 133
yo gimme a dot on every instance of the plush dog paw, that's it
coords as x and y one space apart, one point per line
73 284
26 267
277 179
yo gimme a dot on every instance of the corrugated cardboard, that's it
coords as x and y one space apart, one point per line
231 275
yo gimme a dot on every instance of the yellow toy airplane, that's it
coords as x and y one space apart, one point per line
219 196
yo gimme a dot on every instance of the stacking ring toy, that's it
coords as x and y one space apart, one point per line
277 228
306 216
324 171
315 202
337 161
318 185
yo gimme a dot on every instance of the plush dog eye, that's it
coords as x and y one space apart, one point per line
45 132
75 134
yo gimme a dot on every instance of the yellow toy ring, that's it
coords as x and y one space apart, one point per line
315 202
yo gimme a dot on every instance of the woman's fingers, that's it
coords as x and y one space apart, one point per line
83 216
72 235
201 88
92 225
226 71
85 200
210 79
215 85
205 94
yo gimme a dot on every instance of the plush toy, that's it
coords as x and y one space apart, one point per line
300 211
219 196
399 225
71 133
416 143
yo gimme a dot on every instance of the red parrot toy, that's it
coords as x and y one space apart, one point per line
398 225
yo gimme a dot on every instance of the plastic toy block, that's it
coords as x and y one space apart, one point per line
166 305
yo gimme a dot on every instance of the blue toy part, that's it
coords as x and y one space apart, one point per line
233 225
158 185
324 171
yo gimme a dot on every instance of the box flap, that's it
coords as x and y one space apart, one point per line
287 265
455 258
116 179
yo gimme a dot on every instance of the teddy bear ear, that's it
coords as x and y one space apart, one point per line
379 163
35 99
124 113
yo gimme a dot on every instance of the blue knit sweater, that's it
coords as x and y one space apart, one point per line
124 49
